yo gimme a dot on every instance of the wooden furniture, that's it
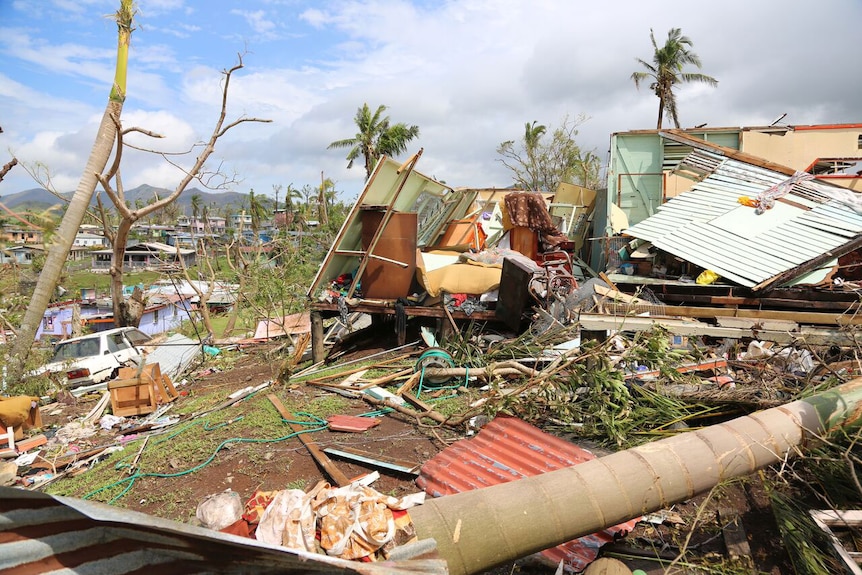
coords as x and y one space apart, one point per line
139 391
524 240
391 264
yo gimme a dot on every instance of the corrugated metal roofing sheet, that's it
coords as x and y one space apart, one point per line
175 355
708 227
507 449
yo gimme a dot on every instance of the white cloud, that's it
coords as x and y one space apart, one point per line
260 22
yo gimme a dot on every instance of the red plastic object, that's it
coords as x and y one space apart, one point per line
351 423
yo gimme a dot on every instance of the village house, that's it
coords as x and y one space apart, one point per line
211 225
24 254
642 169
22 236
163 313
89 240
145 256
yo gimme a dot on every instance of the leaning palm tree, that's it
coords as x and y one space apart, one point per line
665 72
376 137
99 154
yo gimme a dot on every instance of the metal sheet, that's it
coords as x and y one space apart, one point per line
707 226
175 355
504 450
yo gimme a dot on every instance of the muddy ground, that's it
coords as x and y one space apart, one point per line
247 467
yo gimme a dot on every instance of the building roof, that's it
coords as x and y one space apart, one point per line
151 247
812 224
770 128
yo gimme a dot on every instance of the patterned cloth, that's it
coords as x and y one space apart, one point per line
528 210
350 522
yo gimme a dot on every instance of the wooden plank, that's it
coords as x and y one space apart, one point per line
817 318
410 383
824 519
735 539
319 456
318 352
618 295
383 308
427 410
754 323
799 304
32 443
812 336
391 377
604 277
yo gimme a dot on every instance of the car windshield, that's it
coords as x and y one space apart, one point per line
76 349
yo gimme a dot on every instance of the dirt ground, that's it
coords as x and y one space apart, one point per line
271 466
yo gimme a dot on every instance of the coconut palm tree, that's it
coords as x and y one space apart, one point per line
666 71
196 206
99 154
258 210
376 137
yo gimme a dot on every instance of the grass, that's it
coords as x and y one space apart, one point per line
190 447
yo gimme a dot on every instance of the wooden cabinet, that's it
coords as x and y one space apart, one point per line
385 279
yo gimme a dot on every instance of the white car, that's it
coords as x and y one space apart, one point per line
97 357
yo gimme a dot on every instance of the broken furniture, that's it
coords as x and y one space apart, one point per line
408 248
140 390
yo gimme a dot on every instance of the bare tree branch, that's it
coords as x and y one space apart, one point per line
142 131
8 166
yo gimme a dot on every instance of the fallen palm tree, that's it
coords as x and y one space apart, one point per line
478 530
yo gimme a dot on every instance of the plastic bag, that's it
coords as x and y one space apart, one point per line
707 277
220 510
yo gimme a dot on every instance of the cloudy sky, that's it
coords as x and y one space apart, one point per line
469 73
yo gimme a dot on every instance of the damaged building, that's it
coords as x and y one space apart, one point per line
691 221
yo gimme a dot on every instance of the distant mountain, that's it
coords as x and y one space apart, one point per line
39 200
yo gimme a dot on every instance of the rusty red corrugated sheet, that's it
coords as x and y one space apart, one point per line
504 450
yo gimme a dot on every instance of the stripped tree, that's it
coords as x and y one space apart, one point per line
58 251
124 314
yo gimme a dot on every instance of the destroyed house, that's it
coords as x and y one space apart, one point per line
642 175
415 247
750 238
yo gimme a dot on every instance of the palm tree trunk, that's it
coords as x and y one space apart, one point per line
660 112
58 251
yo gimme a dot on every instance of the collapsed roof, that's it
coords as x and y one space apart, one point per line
810 224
